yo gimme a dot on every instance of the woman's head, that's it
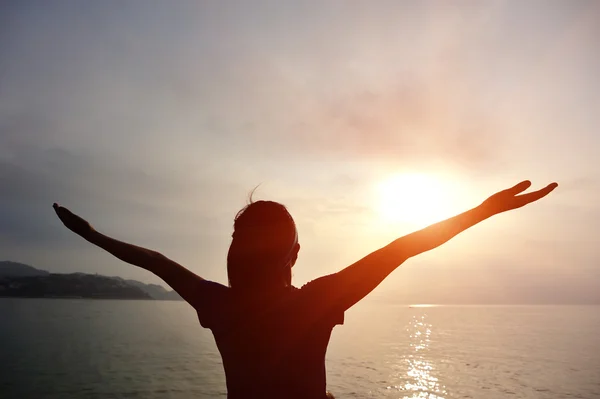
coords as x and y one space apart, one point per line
264 247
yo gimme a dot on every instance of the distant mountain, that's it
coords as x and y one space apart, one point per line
76 285
154 290
21 280
15 269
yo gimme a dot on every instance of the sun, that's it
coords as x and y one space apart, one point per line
414 198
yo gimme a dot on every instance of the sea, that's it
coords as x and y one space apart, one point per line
75 348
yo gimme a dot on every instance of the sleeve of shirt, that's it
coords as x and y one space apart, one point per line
210 301
323 300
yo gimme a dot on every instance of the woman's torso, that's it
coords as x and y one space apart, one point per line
274 347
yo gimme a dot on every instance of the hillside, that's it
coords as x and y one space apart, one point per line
21 280
15 269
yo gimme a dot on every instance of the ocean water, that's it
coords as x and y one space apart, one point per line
55 348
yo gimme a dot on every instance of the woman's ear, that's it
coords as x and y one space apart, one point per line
295 254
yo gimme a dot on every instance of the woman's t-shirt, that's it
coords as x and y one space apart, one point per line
272 348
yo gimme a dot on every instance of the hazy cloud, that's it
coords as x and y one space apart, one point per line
155 120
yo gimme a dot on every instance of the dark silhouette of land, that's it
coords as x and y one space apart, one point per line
20 280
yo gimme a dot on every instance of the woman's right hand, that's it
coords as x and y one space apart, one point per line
509 199
73 222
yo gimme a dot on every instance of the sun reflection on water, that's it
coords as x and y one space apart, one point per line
420 381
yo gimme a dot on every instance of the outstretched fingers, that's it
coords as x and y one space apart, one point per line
58 209
519 188
528 198
63 213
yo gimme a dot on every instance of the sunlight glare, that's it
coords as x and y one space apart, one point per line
414 198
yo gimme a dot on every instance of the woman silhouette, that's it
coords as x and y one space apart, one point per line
271 335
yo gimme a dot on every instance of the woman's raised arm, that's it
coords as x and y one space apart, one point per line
182 280
351 284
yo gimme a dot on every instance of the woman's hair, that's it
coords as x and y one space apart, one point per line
264 244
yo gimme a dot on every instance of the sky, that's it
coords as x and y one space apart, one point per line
154 120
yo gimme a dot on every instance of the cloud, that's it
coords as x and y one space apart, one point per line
130 200
155 121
